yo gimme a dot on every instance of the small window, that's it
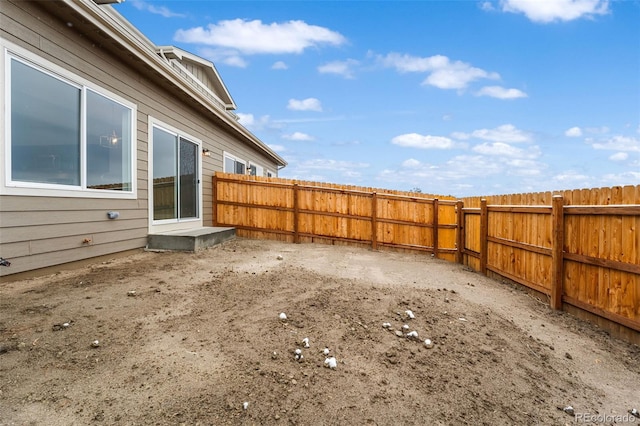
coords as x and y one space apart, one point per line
255 170
235 165
270 173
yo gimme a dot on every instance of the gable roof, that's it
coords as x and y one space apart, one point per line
213 96
186 62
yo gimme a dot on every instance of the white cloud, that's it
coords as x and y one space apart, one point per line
619 156
279 66
501 93
505 133
225 56
619 143
252 123
298 136
556 10
574 132
343 68
162 10
443 73
256 37
332 165
506 150
414 140
411 163
487 6
597 130
309 104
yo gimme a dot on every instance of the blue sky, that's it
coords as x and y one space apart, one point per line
453 97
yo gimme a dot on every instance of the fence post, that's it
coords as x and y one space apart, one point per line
557 251
484 234
459 231
215 199
374 221
296 215
435 227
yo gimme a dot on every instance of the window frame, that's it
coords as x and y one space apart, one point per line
259 169
161 225
8 186
236 159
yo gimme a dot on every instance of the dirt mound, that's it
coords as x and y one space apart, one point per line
197 339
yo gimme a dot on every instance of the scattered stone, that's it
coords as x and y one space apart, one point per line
386 325
428 343
399 333
95 344
331 363
132 293
305 342
298 355
568 409
405 327
634 412
462 319
279 257
412 335
282 316
567 355
274 355
245 405
326 351
410 314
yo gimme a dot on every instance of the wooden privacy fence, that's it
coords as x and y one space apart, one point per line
580 248
297 211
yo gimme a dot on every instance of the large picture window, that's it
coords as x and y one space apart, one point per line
65 135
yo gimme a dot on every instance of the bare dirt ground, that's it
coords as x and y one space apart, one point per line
201 336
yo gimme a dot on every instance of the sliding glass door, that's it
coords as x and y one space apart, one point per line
175 177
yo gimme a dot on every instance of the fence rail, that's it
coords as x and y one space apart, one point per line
579 248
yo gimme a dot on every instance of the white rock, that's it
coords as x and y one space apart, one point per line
95 344
245 405
410 314
279 257
462 319
305 341
386 325
326 351
65 325
405 327
282 316
412 335
428 343
331 362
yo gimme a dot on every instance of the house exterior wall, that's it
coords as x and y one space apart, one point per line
42 231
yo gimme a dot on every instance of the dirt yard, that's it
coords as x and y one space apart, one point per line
196 339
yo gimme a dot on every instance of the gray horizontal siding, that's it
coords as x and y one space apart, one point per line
37 232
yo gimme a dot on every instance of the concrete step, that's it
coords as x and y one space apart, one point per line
190 239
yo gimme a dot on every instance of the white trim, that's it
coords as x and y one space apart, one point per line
171 224
9 52
259 169
235 158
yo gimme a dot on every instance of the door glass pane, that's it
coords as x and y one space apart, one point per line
165 188
188 179
108 144
45 127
